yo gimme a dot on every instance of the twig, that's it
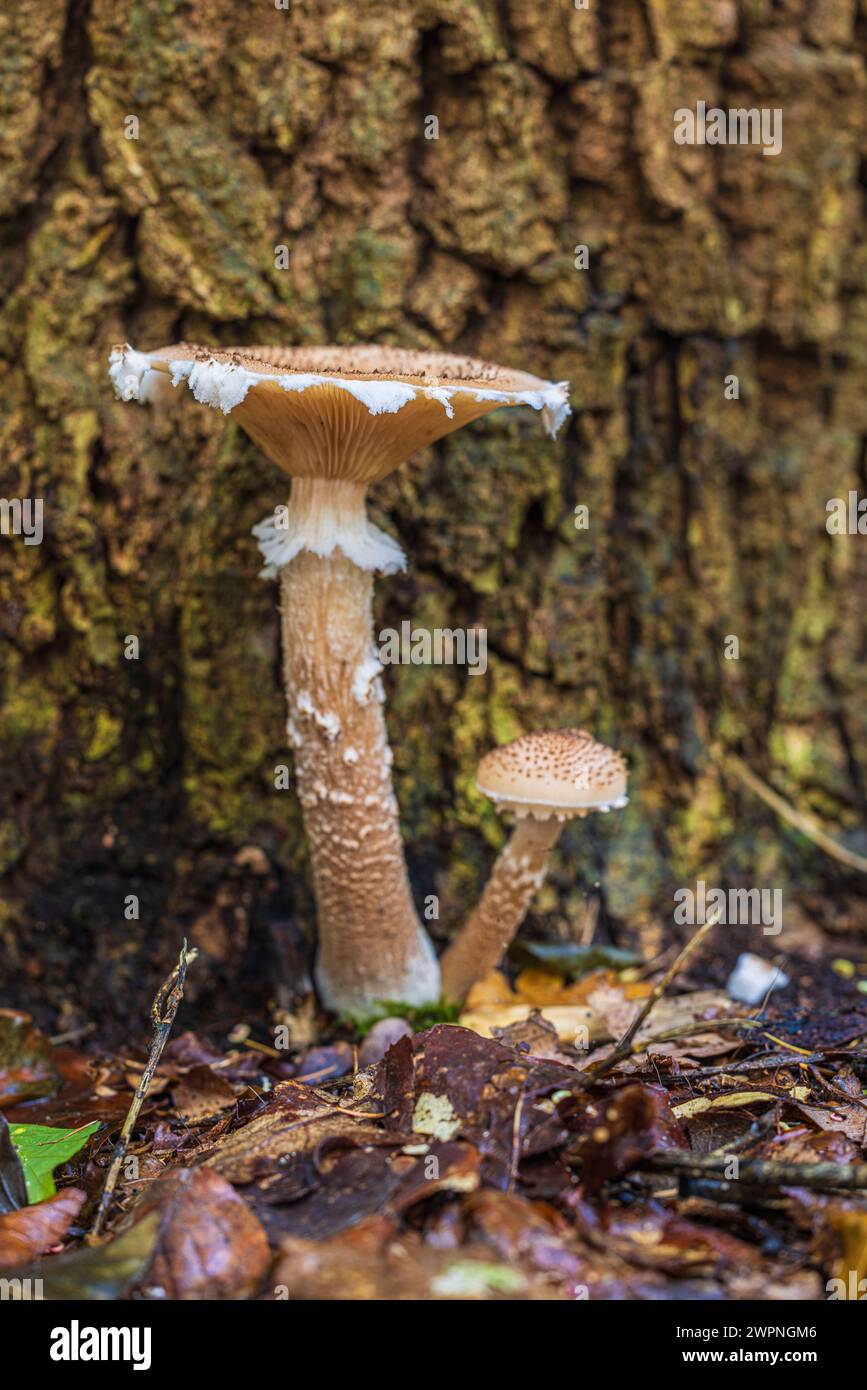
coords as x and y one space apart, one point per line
764 1062
821 1177
163 1010
60 1039
799 819
757 1130
515 1154
625 1046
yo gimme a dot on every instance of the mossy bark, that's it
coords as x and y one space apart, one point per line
153 158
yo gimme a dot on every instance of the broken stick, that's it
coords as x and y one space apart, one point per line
625 1046
163 1011
820 1177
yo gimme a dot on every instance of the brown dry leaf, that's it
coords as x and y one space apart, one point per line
672 1013
492 1005
648 1234
210 1245
295 1121
616 1012
532 1232
850 1227
29 1232
537 1036
373 1262
95 1272
617 1128
494 988
575 1023
351 1183
201 1092
844 1117
27 1068
158 1086
541 987
326 1063
800 1146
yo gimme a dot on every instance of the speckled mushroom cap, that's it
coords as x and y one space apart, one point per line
353 413
555 772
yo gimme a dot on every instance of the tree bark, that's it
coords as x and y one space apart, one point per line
242 173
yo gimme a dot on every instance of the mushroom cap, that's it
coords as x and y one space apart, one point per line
555 772
353 413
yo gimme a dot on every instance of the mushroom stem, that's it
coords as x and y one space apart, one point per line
371 944
481 943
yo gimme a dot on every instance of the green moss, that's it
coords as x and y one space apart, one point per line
419 1019
105 737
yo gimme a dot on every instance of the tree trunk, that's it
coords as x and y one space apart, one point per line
425 173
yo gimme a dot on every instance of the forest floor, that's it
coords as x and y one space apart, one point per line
692 1147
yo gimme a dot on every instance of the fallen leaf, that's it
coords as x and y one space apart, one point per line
435 1115
850 1227
840 1116
42 1149
617 1128
27 1068
647 1234
295 1121
493 988
381 1037
325 1063
570 959
30 1231
532 1232
210 1245
575 1023
96 1272
734 1099
797 1146
535 1035
372 1262
677 1013
201 1093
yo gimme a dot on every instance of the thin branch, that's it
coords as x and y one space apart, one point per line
799 819
625 1046
163 1011
820 1177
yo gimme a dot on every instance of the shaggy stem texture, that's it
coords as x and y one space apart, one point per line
482 941
371 944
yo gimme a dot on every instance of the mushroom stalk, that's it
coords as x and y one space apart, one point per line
482 941
371 944
336 419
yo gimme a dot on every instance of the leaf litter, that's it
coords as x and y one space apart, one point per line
604 1132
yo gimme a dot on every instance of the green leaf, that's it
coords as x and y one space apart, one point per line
419 1017
569 958
42 1148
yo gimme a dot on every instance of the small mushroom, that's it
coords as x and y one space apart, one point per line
337 419
544 779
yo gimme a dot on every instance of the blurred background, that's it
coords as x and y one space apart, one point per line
242 173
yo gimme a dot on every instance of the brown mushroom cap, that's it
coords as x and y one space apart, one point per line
555 772
353 413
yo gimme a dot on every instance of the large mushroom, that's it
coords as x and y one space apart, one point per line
544 779
337 419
